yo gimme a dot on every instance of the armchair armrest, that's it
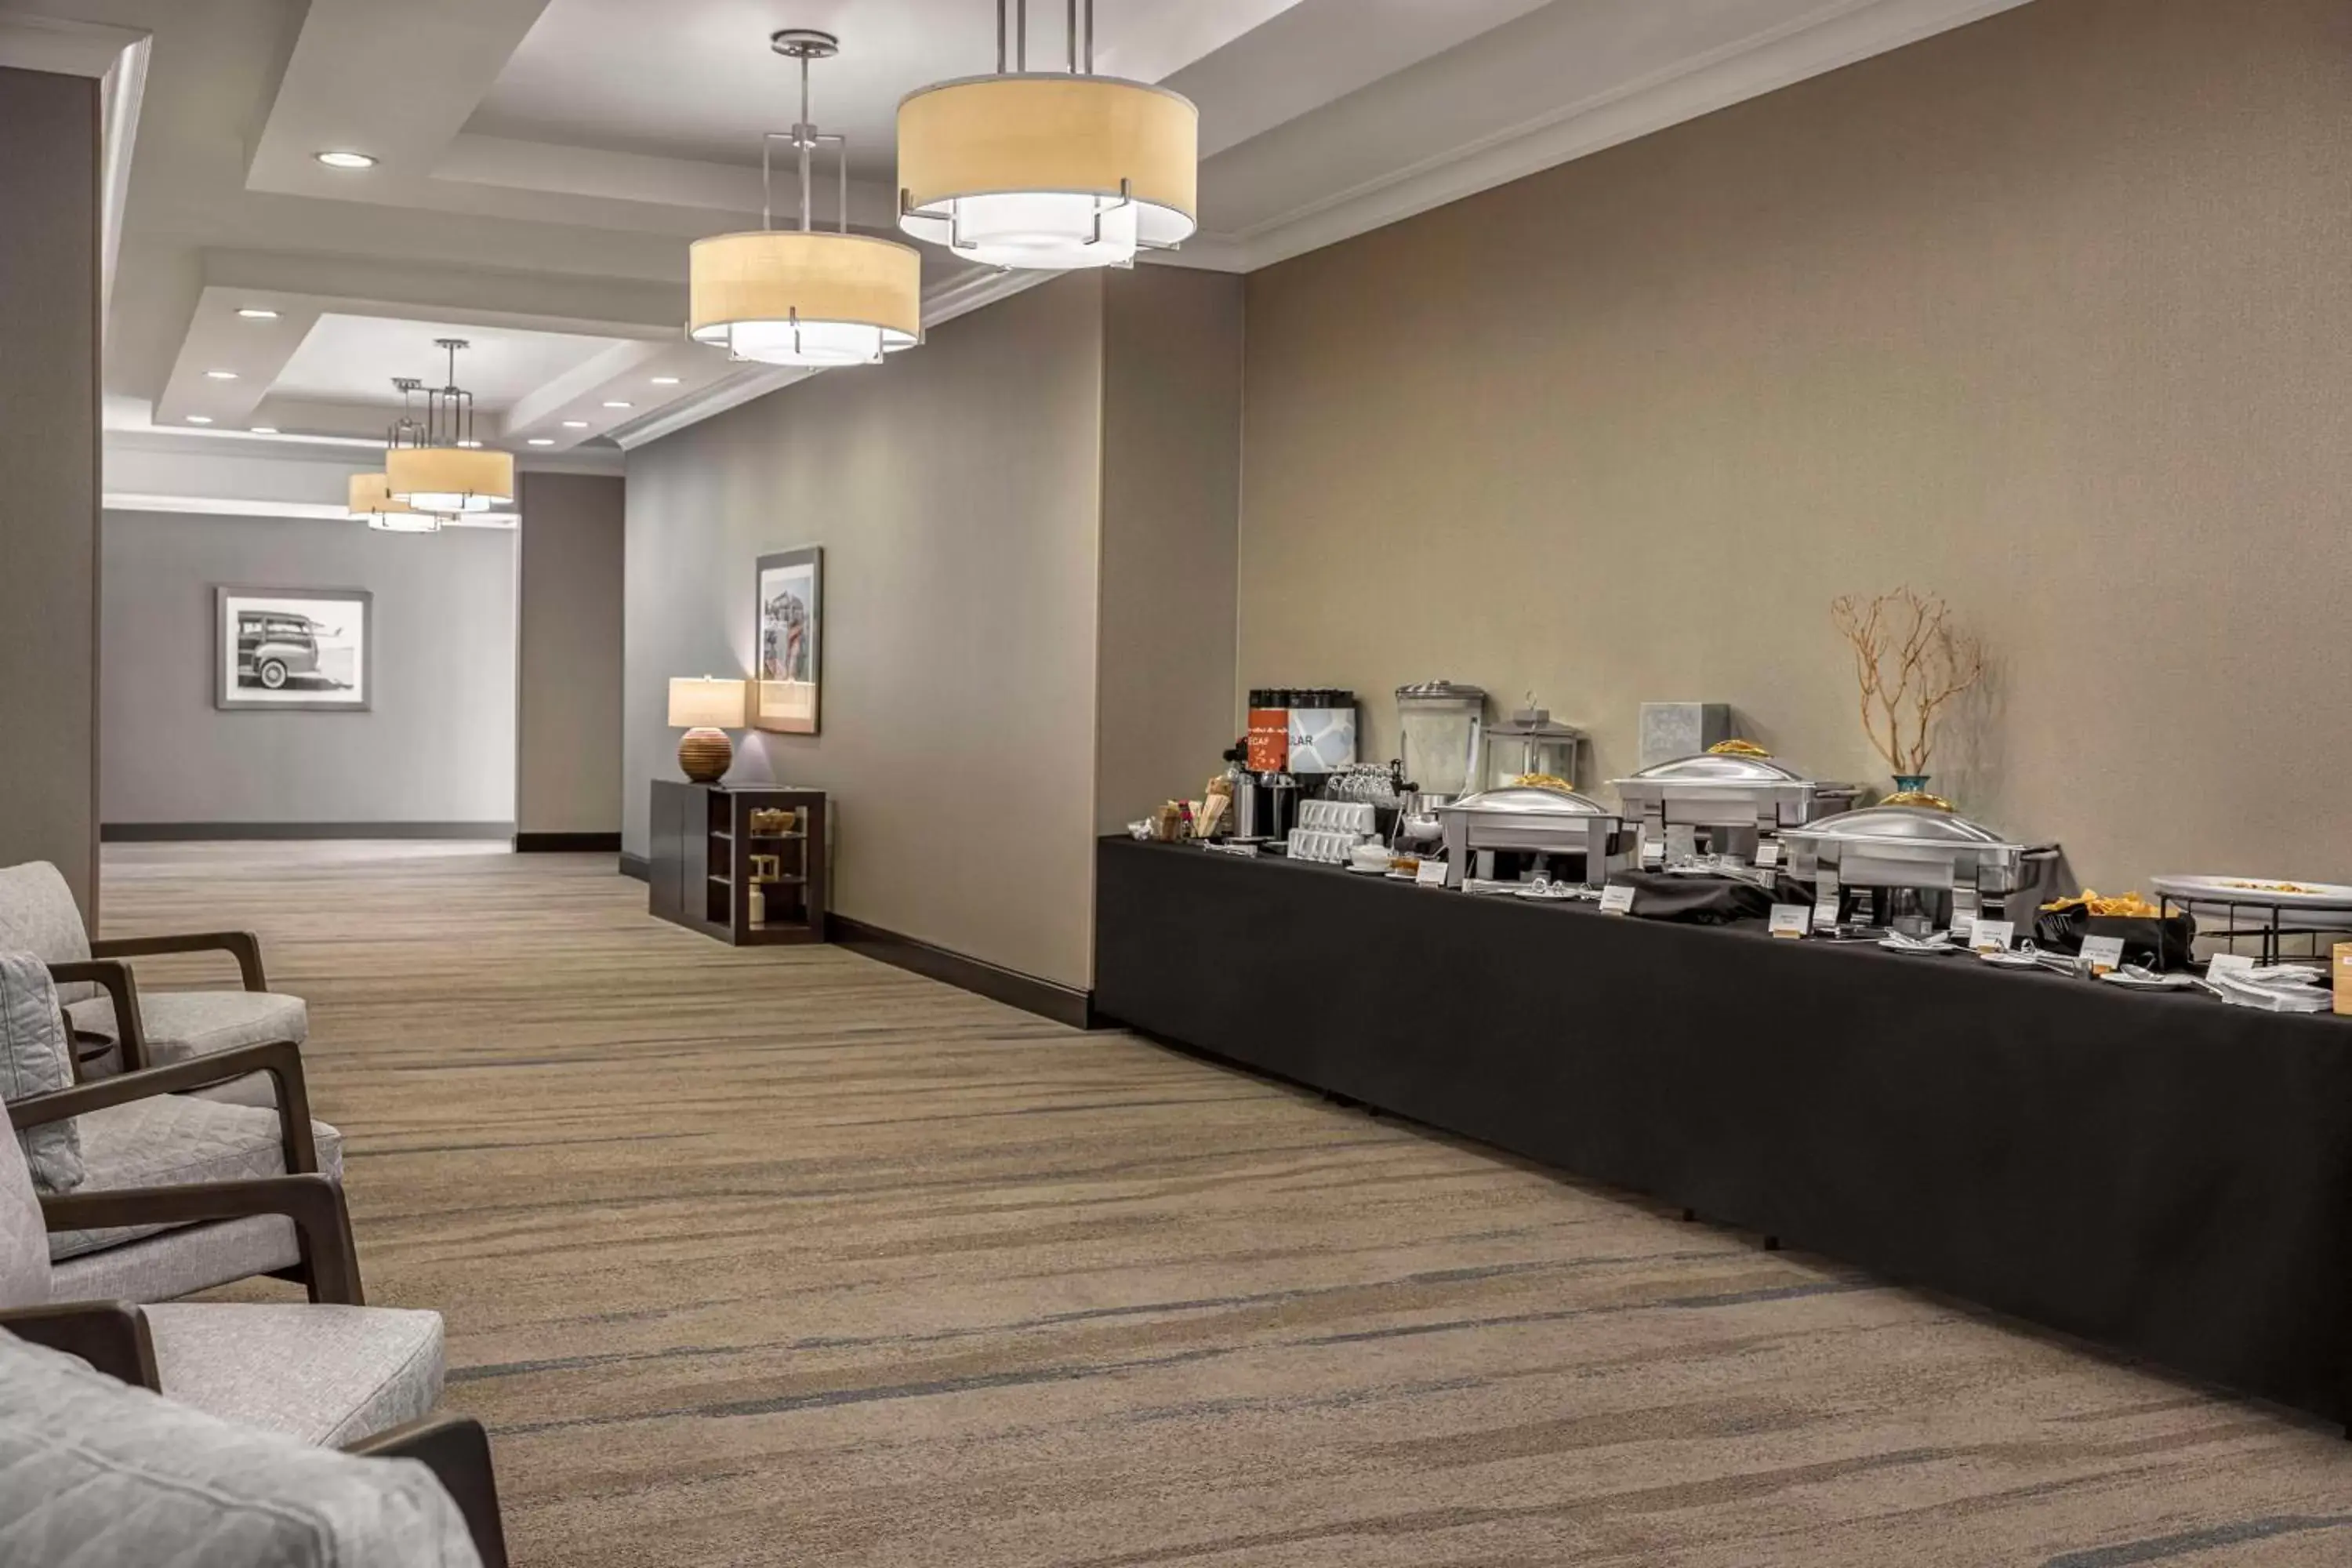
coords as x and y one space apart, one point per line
330 1262
281 1059
122 987
109 1335
244 944
457 1451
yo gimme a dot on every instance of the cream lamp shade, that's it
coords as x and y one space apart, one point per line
706 703
450 478
1047 172
804 298
370 497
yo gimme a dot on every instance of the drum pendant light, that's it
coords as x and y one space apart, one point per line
1046 170
371 503
370 495
440 466
806 296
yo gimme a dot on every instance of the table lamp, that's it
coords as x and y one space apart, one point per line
706 708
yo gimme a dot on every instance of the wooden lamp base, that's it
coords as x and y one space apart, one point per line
706 754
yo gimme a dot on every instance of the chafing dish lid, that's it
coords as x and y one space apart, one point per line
1916 825
1528 800
1442 691
1719 767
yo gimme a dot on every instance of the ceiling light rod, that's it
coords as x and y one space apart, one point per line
1019 38
405 431
448 410
802 44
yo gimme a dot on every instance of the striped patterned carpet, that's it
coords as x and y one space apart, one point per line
788 1258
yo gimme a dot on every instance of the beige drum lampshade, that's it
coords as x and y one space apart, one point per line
450 478
706 703
371 502
1048 172
797 297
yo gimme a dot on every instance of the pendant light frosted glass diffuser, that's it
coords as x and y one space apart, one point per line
440 466
807 296
1048 171
371 503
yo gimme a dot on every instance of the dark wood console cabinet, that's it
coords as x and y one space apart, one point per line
699 864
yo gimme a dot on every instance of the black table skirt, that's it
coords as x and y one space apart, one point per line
2159 1172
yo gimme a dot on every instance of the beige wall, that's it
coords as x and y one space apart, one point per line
49 475
956 491
567 675
2049 313
1171 500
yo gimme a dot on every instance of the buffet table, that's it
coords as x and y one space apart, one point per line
2160 1172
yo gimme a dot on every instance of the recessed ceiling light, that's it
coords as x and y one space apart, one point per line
541 441
200 418
256 312
665 381
616 404
220 375
575 424
264 429
337 160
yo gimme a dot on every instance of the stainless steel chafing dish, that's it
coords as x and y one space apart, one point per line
1908 847
1734 792
1531 819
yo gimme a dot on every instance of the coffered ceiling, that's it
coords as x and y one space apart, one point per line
543 163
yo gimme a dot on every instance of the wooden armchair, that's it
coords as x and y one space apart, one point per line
94 978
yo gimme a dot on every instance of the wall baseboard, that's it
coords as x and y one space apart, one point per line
567 843
177 832
1046 998
635 865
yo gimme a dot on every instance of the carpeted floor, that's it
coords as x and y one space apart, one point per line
784 1257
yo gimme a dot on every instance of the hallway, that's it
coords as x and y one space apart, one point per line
782 1256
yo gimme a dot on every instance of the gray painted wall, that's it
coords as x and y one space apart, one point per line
568 761
956 491
2061 335
1171 515
439 745
49 475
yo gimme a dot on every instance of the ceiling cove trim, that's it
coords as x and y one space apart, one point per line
944 304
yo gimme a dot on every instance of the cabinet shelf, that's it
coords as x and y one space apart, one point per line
699 870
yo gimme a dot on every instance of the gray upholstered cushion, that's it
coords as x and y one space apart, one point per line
177 1024
183 1024
170 1139
178 1263
38 915
23 1242
93 1472
326 1374
37 1057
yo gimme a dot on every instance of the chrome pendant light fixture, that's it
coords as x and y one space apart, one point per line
370 495
1048 171
439 465
806 296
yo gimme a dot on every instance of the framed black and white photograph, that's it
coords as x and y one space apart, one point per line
302 649
786 640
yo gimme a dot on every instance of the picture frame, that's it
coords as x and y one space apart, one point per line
293 650
787 640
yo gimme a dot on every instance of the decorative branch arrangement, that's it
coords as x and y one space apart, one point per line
1908 662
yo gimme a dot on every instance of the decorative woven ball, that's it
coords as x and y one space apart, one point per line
706 754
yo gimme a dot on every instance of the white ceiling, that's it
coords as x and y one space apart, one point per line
344 359
545 163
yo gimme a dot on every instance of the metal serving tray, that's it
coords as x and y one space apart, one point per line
1530 819
1907 846
1729 789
